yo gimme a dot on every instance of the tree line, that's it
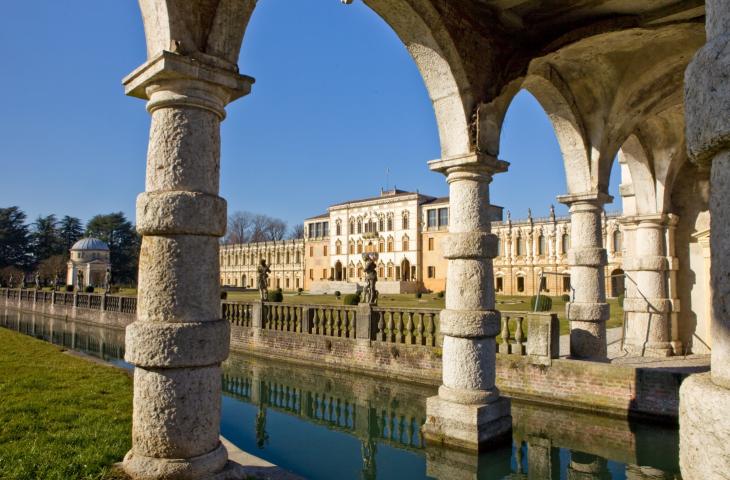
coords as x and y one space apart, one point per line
247 227
43 246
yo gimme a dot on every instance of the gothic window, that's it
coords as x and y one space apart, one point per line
359 247
352 227
405 221
390 224
541 245
338 228
405 244
519 247
380 224
359 226
565 243
381 246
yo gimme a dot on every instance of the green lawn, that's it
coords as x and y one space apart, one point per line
61 417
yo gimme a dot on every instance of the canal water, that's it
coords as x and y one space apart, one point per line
326 424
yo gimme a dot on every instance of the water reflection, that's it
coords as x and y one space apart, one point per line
327 424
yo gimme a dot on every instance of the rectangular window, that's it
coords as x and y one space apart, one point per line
311 230
338 249
566 283
326 229
431 272
430 243
432 219
311 251
390 272
390 224
338 229
324 273
500 284
324 250
287 283
405 244
443 217
520 284
311 274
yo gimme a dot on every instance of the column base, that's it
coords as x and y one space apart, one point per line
468 427
704 428
654 350
212 465
588 340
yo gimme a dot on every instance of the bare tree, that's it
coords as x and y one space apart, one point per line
276 229
259 225
239 228
297 231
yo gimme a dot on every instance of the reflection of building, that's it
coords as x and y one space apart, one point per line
90 256
406 229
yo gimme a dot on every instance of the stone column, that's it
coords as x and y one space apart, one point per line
179 339
646 304
704 400
588 312
469 411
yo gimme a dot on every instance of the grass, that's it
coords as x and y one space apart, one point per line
61 417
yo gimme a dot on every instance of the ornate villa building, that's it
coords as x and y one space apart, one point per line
406 229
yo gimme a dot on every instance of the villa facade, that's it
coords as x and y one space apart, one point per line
406 229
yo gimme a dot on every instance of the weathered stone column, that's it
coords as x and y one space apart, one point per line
704 400
646 304
469 411
179 339
588 310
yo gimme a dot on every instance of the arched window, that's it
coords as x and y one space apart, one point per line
520 284
338 228
359 226
359 247
405 243
380 224
617 241
352 227
390 224
405 221
338 248
352 248
390 244
381 246
565 243
519 246
541 245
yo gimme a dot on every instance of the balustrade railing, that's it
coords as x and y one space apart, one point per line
109 303
238 313
513 343
406 325
282 317
333 320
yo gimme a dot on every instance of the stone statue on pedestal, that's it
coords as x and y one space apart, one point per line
263 274
370 294
107 280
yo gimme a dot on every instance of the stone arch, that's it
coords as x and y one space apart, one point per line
556 100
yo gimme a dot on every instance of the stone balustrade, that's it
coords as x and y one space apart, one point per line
406 325
92 301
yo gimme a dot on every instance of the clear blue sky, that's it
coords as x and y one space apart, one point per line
337 101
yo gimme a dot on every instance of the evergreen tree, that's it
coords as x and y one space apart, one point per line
14 236
46 239
70 231
123 243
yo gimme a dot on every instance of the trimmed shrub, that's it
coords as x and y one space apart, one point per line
351 299
565 297
441 294
276 296
419 294
299 290
89 289
544 304
338 293
224 295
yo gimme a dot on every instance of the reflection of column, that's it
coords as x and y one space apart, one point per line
454 464
588 311
469 411
704 425
369 446
179 340
584 466
543 461
647 304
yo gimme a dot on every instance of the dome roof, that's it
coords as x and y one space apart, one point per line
90 243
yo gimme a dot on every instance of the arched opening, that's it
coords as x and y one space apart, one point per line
618 283
405 269
338 271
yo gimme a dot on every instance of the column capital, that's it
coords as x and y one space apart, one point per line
478 163
649 220
186 82
592 198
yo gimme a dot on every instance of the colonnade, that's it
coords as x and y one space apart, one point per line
179 340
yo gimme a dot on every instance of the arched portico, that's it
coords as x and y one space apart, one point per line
602 87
